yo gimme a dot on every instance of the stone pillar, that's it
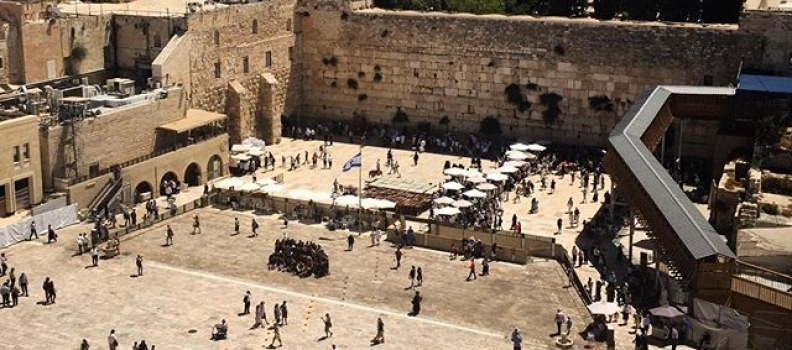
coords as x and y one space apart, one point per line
240 120
270 116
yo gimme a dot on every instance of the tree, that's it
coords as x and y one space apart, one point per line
523 7
567 8
476 6
605 9
721 11
681 11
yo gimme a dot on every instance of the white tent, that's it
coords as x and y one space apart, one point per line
301 193
447 211
239 148
453 185
486 187
473 173
272 188
496 177
519 147
462 203
348 200
535 147
256 151
507 169
374 203
514 163
266 182
604 308
228 183
248 187
444 200
455 171
476 180
474 194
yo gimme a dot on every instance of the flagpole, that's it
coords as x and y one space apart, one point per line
360 190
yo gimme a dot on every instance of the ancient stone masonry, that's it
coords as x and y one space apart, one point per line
255 46
460 66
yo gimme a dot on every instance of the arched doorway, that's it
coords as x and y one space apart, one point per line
170 179
215 167
143 192
192 175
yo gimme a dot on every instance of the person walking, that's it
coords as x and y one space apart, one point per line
80 244
246 301
415 159
112 341
139 264
399 255
277 312
328 326
51 235
350 242
517 339
168 236
23 284
380 337
568 323
33 231
284 313
416 304
559 319
84 345
472 267
254 226
559 223
95 256
236 226
196 225
411 276
419 277
276 336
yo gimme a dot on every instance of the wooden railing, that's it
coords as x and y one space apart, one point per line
762 292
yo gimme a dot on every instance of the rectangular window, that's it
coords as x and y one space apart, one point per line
291 51
708 81
217 70
1 62
17 154
245 65
26 151
268 59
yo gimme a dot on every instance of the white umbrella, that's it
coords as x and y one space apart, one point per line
453 185
519 147
507 169
522 156
515 163
455 171
476 180
486 187
386 204
256 151
226 184
370 203
266 181
241 157
666 311
444 200
349 200
514 152
473 173
240 148
496 177
447 211
272 188
604 308
535 147
301 194
248 187
474 194
462 203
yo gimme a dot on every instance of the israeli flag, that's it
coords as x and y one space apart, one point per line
352 162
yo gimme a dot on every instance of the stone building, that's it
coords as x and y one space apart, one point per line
20 170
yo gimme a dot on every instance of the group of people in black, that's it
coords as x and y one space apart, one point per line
300 258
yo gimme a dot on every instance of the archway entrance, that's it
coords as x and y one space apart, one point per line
192 175
215 167
143 192
169 183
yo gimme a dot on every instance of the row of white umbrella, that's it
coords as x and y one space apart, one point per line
534 147
366 203
266 185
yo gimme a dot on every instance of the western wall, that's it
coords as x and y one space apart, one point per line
431 65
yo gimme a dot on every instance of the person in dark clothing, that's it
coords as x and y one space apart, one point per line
51 235
416 304
246 301
398 257
350 242
85 345
23 283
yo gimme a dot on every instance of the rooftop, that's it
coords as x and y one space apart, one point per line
139 8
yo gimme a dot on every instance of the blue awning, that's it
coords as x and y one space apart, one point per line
765 83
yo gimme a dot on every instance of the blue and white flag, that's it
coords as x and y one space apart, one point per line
352 162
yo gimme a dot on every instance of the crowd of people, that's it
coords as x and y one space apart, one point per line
303 259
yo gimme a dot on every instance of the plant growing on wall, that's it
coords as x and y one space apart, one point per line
330 61
550 101
352 84
361 74
400 117
78 53
532 86
445 121
515 96
600 103
490 126
559 50
377 77
362 97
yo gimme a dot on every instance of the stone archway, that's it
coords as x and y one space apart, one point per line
165 180
214 168
143 191
192 175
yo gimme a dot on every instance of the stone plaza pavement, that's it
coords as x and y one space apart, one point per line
192 285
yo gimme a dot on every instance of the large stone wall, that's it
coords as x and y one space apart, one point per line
237 41
111 138
142 38
433 65
775 28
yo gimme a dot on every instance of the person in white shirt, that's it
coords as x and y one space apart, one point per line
112 340
80 243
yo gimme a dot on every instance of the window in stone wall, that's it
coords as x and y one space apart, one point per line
217 69
288 25
255 26
26 151
157 41
17 154
291 51
708 81
2 64
245 65
268 59
217 37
